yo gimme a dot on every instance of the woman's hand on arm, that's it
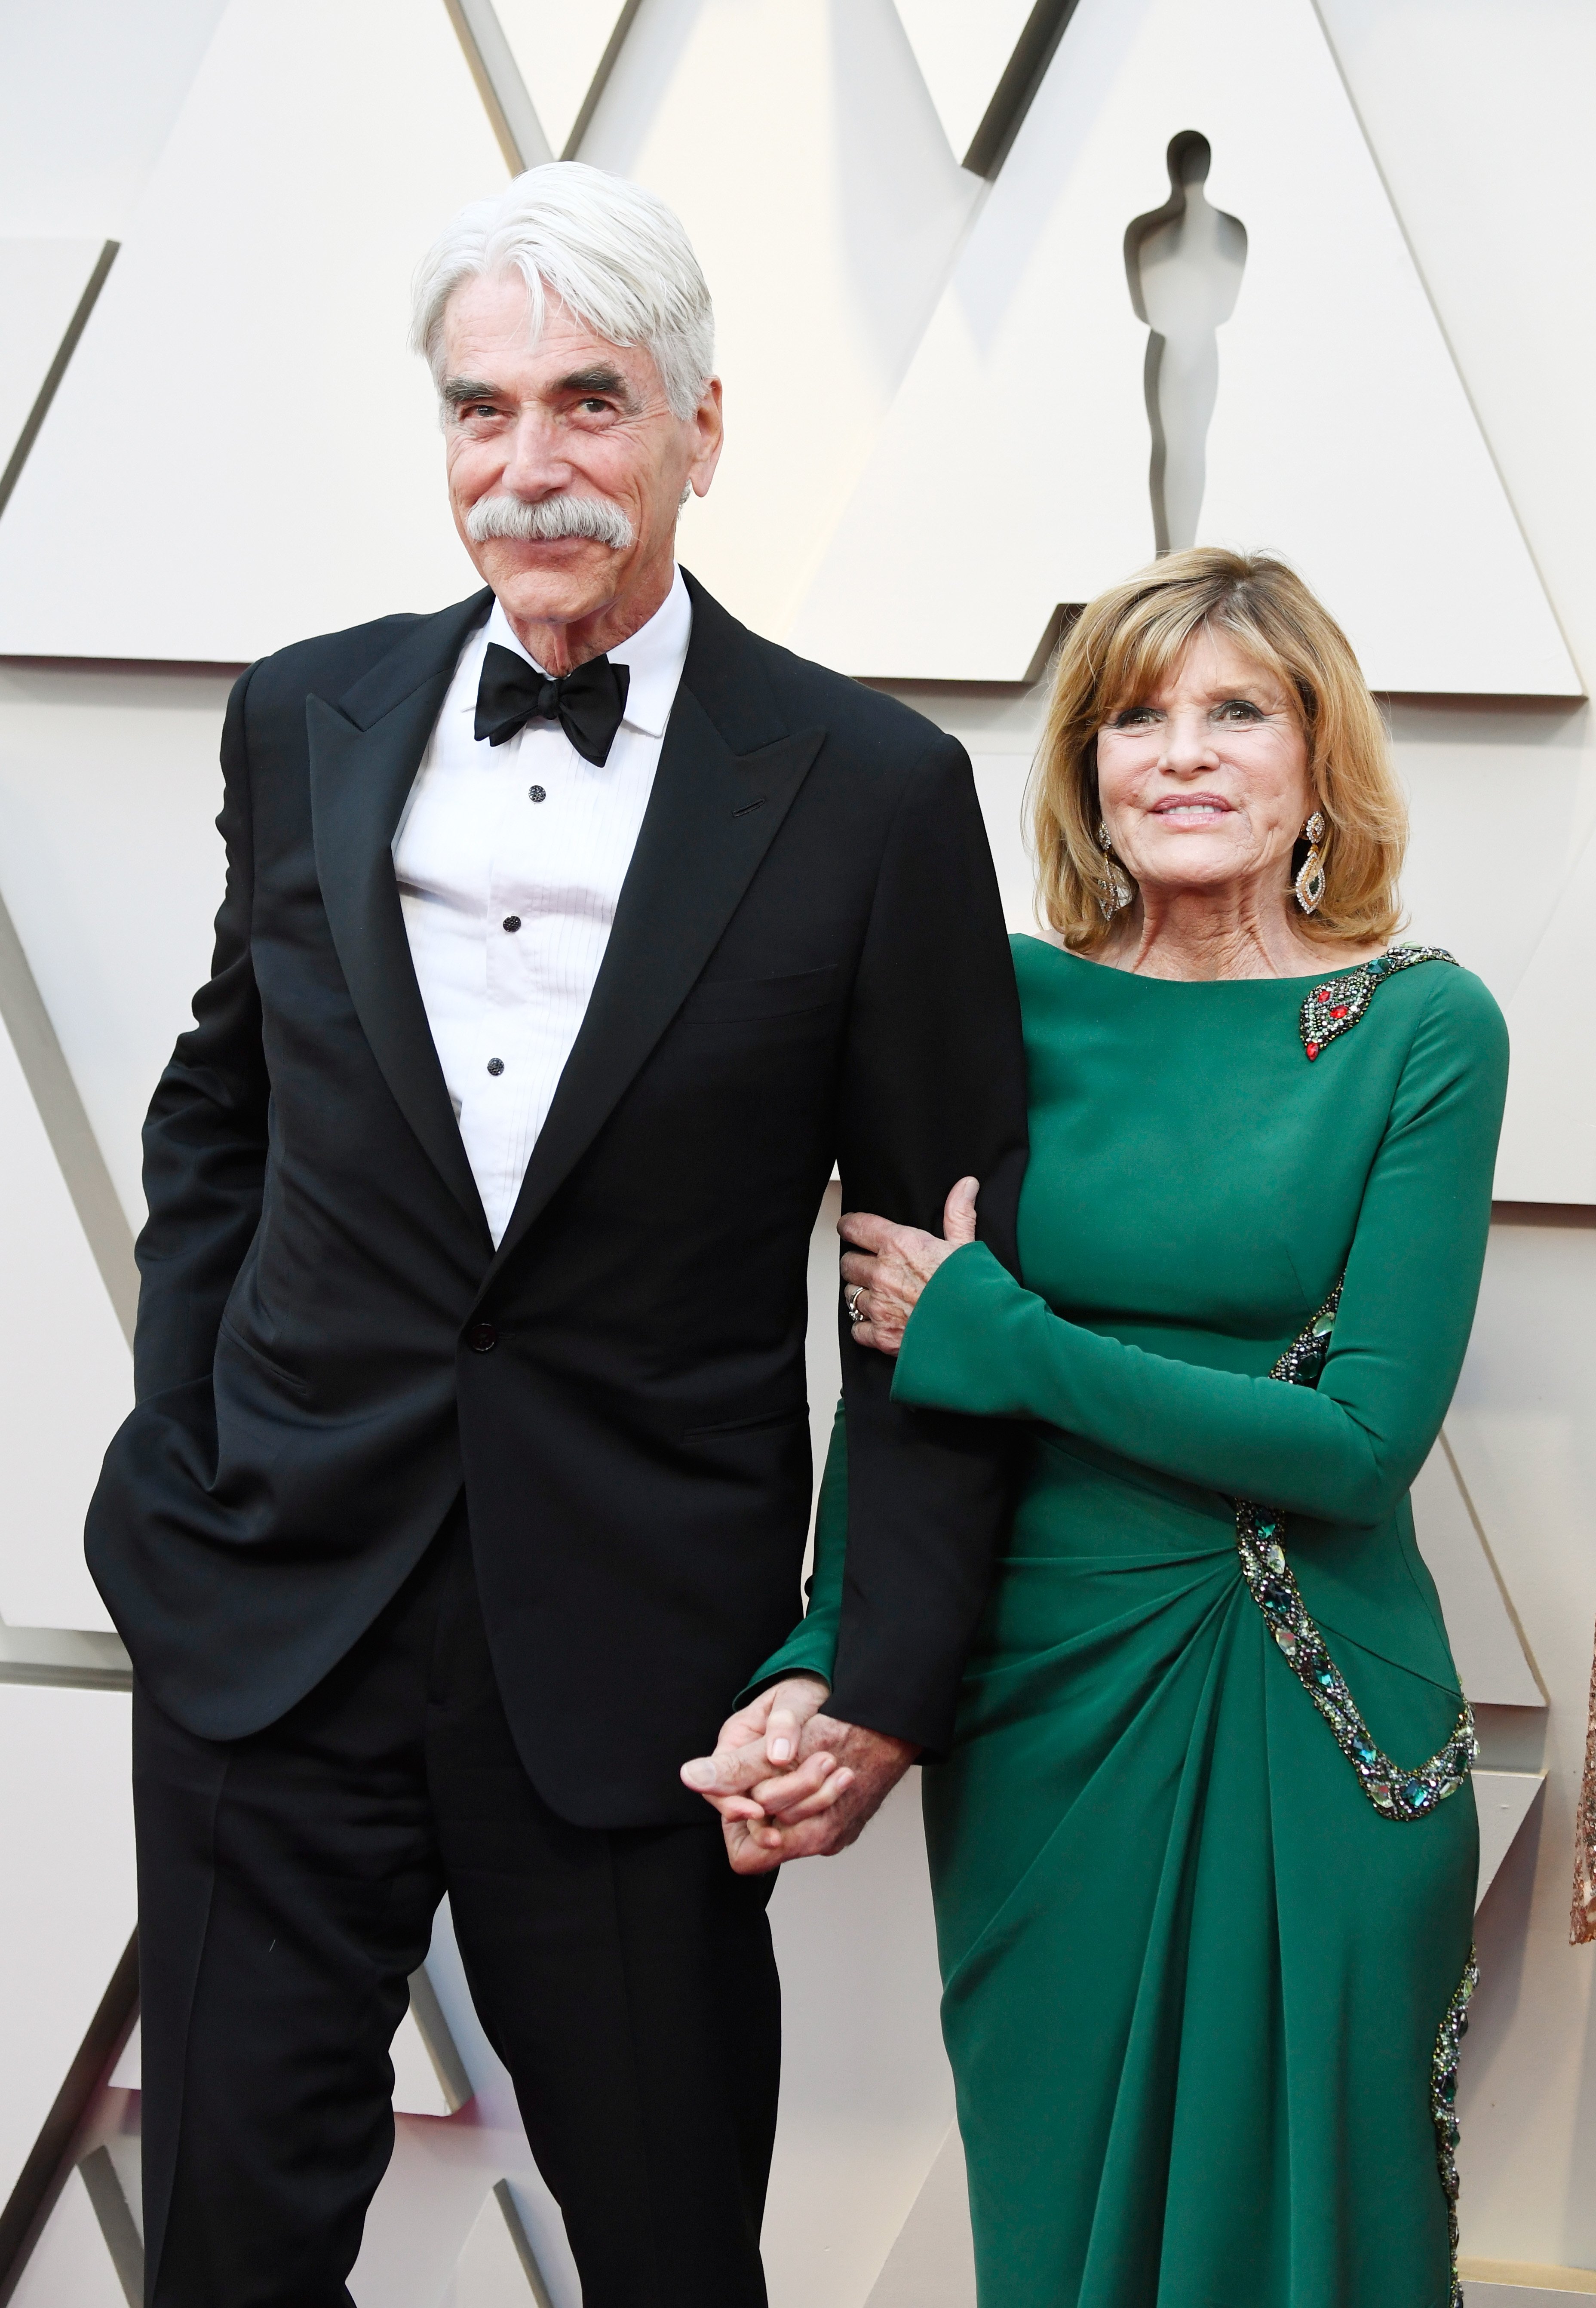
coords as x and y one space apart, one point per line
888 1266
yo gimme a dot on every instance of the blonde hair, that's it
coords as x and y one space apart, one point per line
1118 652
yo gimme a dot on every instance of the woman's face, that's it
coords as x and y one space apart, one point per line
1205 784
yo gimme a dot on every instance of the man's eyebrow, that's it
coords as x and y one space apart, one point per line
459 390
600 378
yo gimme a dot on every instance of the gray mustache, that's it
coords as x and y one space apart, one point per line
549 519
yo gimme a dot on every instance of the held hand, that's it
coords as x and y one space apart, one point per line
762 1739
843 1774
891 1265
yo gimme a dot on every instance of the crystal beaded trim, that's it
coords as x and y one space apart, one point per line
1335 1007
1581 1915
1394 1793
1443 2104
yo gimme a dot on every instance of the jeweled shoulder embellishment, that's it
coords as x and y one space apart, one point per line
1335 1006
1394 1793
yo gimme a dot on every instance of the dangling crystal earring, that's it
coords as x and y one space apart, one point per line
1310 884
1113 891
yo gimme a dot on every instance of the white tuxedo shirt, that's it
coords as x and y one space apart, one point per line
510 860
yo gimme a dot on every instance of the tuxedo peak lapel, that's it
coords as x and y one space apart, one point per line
711 817
363 755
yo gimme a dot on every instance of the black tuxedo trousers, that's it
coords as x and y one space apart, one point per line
807 966
287 1883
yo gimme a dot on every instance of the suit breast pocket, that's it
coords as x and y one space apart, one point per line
739 1001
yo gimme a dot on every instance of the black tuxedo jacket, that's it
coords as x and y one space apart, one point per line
808 963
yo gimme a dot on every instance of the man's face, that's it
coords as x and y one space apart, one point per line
569 417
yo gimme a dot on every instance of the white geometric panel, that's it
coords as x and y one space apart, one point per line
71 2266
66 1890
87 97
497 2268
1504 1799
933 2264
1523 2284
267 459
65 1375
963 52
128 2073
1485 1643
563 50
109 785
1548 1152
1012 473
797 144
429 2075
417 2087
42 285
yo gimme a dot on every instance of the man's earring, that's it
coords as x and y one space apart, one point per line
1113 891
1310 884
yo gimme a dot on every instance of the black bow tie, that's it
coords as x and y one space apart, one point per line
587 703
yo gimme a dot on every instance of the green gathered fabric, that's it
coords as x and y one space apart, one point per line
1194 1982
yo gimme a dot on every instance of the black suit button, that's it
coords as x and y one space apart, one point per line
536 793
495 1065
512 921
482 1338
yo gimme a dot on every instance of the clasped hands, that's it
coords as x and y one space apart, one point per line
788 1781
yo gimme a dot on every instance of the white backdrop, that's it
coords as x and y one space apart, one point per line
935 435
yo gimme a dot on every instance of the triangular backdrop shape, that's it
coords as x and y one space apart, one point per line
963 54
67 1826
497 2268
65 1374
41 285
72 2262
1012 472
266 457
1548 1152
563 50
1485 1643
796 141
932 2261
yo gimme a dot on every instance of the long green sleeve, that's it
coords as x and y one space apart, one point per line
1345 1451
812 1646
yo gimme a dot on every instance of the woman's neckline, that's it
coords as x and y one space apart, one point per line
1135 977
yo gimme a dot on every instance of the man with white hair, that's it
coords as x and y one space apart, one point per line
571 935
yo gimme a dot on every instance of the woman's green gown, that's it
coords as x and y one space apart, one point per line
1195 1981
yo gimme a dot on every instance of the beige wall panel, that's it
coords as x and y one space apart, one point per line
1485 1643
933 2264
798 143
962 52
492 2271
559 47
265 456
87 97
866 2093
1548 1141
71 2266
1523 1431
1479 113
65 1375
66 1890
1504 1799
1321 438
111 868
40 284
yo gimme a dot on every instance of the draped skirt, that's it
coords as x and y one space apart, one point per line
1193 1980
